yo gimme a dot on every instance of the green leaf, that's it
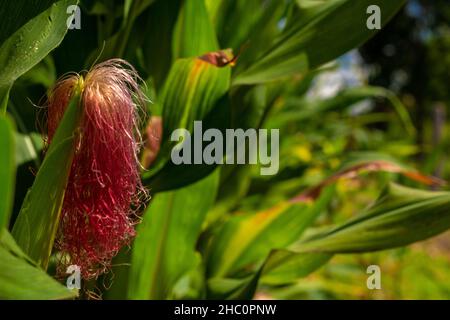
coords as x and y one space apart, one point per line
15 14
235 181
20 279
164 249
7 169
192 284
38 218
173 176
229 17
119 43
4 97
28 147
247 239
194 90
25 45
321 32
401 216
194 34
191 92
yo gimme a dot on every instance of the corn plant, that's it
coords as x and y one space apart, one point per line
103 193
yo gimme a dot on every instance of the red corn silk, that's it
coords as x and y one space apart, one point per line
96 218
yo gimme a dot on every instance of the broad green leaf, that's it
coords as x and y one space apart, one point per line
368 232
247 239
194 90
21 279
32 41
248 27
285 266
192 284
21 108
133 8
321 32
266 73
401 216
15 14
118 287
164 249
37 223
28 144
357 164
4 96
7 169
191 92
28 147
173 176
44 73
233 289
194 34
235 181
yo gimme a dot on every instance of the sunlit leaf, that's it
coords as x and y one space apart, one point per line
21 279
246 239
302 109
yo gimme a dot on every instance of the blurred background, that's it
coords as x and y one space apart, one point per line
411 57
